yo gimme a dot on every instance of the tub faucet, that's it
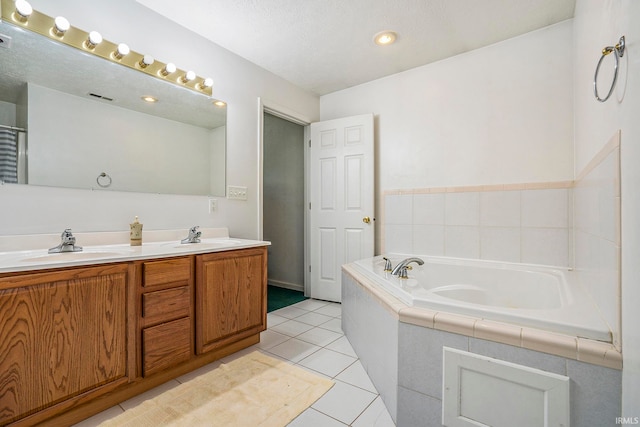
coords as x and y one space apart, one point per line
400 270
67 243
194 235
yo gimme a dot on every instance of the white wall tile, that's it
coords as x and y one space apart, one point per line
462 242
549 246
500 243
428 240
545 208
428 208
462 208
398 209
500 208
607 176
398 239
586 206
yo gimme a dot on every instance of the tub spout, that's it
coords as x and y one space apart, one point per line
402 266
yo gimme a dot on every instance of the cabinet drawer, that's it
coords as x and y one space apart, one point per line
169 304
167 271
166 345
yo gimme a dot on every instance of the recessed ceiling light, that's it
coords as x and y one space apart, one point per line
219 103
150 99
385 38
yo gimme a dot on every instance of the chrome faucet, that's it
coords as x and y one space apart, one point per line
194 235
67 243
400 270
387 264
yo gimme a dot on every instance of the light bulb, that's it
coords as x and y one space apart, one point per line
23 10
121 51
94 39
61 26
168 69
188 76
206 83
146 61
385 38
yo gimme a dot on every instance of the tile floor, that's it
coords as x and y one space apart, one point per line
307 334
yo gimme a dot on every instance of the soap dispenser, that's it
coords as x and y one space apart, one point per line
136 233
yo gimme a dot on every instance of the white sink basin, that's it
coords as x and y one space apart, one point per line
73 256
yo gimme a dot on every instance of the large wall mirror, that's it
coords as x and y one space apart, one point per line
86 125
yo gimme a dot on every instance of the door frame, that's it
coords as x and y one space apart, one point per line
267 106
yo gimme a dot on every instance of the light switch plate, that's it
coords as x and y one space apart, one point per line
235 192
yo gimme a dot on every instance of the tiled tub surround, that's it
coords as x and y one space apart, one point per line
400 347
529 223
597 232
573 224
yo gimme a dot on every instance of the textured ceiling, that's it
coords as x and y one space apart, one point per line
327 45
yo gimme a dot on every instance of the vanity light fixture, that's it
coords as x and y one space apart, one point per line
187 77
94 39
170 68
121 51
148 98
146 61
60 26
206 83
23 10
22 14
385 38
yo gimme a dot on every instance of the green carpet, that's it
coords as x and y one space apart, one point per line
281 297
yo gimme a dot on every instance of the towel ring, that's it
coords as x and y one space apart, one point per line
618 52
106 184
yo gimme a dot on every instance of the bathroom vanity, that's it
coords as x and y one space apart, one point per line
81 332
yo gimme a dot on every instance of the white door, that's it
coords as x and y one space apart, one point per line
341 200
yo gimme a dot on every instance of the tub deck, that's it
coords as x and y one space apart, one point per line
568 326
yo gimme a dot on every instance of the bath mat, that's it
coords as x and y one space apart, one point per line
254 390
281 297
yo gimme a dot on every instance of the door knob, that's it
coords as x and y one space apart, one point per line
366 220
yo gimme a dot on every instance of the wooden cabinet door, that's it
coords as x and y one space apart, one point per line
61 334
231 298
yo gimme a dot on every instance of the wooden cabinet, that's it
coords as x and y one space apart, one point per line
70 336
231 297
166 320
63 334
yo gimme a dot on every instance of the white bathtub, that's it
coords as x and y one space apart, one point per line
547 298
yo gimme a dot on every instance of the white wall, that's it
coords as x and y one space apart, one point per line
7 114
599 24
238 82
497 115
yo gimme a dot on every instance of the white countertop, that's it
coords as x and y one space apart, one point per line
30 252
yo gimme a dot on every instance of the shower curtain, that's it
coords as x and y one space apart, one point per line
8 156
